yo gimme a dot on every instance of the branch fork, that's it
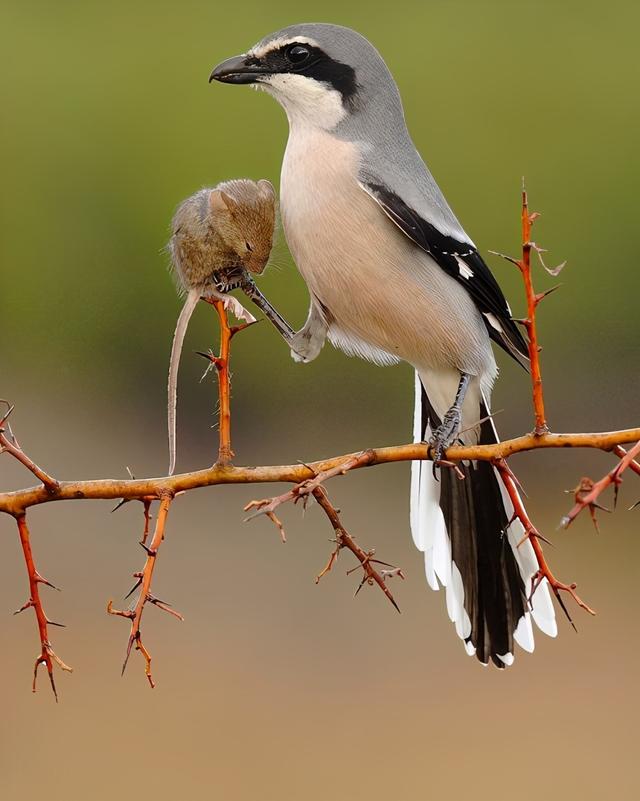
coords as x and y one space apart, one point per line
144 578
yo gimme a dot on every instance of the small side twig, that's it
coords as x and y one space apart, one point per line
301 491
533 300
222 362
9 444
620 452
532 534
366 558
589 498
47 655
143 581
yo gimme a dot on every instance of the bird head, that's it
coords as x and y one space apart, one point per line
320 74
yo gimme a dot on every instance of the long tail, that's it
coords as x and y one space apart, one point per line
191 301
471 548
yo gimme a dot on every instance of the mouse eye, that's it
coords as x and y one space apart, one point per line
297 54
249 248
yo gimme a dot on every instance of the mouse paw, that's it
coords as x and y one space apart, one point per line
236 308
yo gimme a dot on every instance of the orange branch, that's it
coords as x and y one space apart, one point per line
144 578
344 540
589 499
221 363
530 323
225 454
47 655
533 535
533 300
15 502
6 445
621 453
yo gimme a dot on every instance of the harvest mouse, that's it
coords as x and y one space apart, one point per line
219 236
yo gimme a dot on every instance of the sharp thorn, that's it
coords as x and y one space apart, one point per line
24 606
127 655
392 599
119 505
133 589
43 580
564 609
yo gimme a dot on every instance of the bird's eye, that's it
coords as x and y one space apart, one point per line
249 248
297 54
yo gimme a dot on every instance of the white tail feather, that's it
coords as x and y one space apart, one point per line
430 536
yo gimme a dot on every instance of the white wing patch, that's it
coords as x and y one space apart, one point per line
493 321
463 267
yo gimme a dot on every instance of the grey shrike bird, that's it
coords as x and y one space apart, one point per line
393 276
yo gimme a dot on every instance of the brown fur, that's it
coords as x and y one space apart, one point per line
225 227
218 230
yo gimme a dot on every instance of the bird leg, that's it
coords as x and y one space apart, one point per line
445 434
226 281
307 343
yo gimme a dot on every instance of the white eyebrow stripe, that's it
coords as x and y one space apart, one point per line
276 44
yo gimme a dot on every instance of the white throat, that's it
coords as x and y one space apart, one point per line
308 103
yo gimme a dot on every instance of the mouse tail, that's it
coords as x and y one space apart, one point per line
190 303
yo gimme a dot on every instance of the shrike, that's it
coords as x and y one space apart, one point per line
392 276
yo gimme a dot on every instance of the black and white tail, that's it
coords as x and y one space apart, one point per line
462 527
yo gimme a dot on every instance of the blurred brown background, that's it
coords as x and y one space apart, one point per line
274 688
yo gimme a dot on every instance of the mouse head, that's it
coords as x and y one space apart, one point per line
245 214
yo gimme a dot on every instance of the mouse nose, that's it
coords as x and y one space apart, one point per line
257 263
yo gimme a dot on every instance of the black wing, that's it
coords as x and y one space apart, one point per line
461 261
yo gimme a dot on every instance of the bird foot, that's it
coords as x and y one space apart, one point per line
445 435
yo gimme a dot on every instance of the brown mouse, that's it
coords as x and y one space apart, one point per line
217 235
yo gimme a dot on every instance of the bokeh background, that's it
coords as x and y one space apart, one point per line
274 688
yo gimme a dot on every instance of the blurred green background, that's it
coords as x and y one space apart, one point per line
274 688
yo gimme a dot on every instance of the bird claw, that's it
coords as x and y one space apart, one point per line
444 436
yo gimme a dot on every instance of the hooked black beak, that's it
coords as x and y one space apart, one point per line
237 70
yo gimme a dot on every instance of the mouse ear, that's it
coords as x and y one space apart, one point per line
266 188
220 201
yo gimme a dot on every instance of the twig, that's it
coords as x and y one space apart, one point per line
12 447
303 489
620 452
589 499
47 655
533 300
532 534
345 540
144 578
221 363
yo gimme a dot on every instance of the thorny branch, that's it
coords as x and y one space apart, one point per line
533 300
343 539
308 480
221 363
47 655
588 492
9 444
143 581
533 535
